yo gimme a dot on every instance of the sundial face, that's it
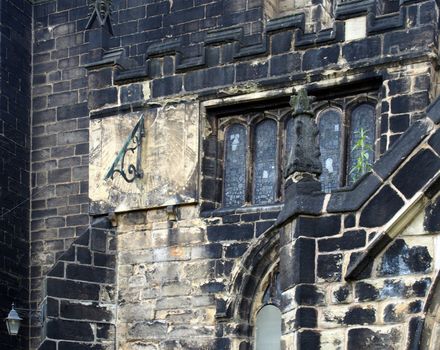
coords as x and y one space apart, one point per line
169 159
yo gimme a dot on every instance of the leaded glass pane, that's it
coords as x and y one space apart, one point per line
265 167
235 166
330 146
361 154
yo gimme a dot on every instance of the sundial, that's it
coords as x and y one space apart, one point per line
132 144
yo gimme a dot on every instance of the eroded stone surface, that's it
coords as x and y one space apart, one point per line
169 159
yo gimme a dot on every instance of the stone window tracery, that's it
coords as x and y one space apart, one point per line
362 118
265 162
330 130
254 146
252 174
340 125
235 165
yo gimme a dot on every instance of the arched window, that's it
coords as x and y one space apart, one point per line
330 143
257 143
265 162
268 328
234 187
361 141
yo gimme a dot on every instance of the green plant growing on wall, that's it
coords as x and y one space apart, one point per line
362 161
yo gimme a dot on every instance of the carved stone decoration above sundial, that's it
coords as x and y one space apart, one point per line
101 11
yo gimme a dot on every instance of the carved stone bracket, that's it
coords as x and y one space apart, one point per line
134 171
101 11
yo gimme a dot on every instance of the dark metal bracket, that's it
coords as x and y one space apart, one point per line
134 171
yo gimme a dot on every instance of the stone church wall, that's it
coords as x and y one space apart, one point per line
60 138
80 296
15 106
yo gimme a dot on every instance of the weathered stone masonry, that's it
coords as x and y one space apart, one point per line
173 268
15 105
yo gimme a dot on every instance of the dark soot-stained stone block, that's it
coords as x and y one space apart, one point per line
349 240
432 217
368 339
69 330
353 198
399 259
79 311
341 294
434 141
349 221
72 289
304 260
414 333
230 232
306 317
358 315
308 340
417 172
319 58
362 49
415 307
381 208
420 288
385 165
48 345
330 267
307 294
433 111
392 315
318 227
365 292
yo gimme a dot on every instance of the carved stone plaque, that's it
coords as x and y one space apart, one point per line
169 159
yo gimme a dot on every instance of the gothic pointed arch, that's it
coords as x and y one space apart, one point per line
250 280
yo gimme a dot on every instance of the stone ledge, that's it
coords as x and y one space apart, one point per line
243 49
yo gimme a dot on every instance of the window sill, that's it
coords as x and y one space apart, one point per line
242 210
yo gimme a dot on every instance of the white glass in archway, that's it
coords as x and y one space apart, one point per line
268 328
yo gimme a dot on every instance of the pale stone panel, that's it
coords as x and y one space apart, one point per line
416 226
169 159
286 7
355 28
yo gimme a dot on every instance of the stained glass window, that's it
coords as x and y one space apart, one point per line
362 122
331 148
235 166
265 162
252 168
